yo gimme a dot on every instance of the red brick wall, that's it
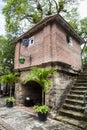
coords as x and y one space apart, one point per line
49 45
63 51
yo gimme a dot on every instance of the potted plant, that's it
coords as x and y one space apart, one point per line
9 102
21 60
10 78
42 112
42 77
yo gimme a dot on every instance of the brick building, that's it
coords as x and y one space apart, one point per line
51 42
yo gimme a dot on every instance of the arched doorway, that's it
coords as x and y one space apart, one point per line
34 91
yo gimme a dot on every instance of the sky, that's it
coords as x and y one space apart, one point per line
83 8
82 11
2 20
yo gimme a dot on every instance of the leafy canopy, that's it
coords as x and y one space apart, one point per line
6 55
21 14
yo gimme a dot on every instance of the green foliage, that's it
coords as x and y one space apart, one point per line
10 99
20 13
41 76
83 28
83 33
10 78
42 109
6 55
73 18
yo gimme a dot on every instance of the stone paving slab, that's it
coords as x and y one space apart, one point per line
19 119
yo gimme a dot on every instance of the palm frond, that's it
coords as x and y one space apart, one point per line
41 76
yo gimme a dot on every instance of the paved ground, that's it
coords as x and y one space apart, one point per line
19 118
24 118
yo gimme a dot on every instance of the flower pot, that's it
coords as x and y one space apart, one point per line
9 104
22 60
42 116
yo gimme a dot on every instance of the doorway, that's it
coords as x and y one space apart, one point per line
33 91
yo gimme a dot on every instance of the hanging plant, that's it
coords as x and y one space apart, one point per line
22 60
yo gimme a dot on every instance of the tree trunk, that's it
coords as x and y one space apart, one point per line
10 90
43 97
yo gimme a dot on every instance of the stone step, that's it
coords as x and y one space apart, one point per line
78 92
74 96
84 70
84 78
73 108
84 73
79 88
84 65
80 84
73 114
81 81
74 102
79 124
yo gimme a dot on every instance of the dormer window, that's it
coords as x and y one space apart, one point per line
69 40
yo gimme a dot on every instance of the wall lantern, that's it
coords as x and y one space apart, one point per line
22 60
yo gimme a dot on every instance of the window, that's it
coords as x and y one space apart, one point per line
25 42
69 40
31 41
28 41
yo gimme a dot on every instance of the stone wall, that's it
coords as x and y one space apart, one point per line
55 97
61 85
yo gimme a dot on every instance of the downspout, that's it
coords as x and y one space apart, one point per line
51 43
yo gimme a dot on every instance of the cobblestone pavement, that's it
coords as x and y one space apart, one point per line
19 118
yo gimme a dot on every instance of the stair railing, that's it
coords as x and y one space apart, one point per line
85 103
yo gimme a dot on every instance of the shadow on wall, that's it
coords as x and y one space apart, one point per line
64 95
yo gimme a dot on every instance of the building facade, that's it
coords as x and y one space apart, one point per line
50 43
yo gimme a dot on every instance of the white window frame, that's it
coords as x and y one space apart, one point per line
30 41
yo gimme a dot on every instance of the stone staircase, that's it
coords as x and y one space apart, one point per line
72 111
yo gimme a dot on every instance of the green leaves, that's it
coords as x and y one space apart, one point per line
6 55
10 99
41 76
42 109
29 12
10 78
